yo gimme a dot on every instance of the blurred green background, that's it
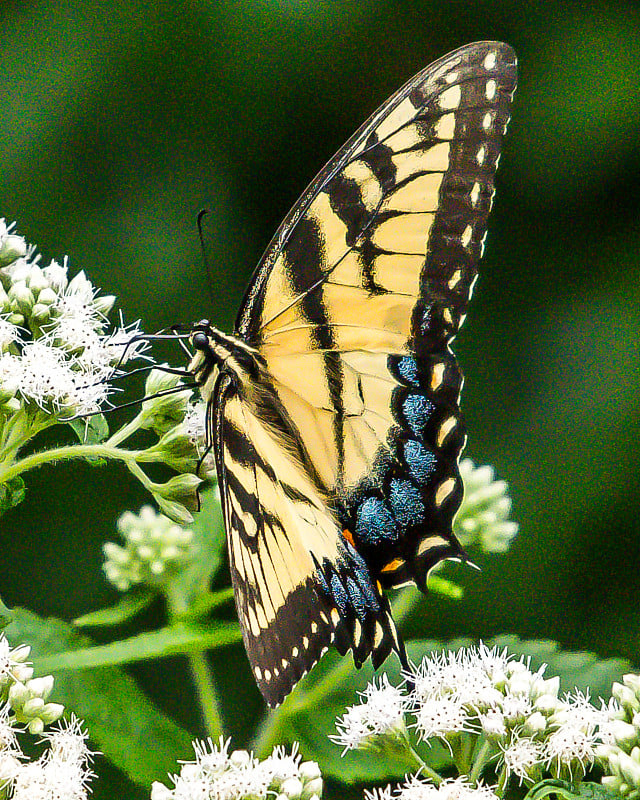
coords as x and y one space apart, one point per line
119 120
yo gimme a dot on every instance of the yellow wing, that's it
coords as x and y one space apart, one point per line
299 584
338 461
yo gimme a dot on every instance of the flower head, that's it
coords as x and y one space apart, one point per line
380 714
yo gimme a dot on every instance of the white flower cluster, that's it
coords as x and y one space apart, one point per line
217 774
415 788
62 771
57 348
377 718
484 693
483 518
154 548
23 698
619 754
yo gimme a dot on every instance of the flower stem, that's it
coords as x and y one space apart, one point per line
207 694
424 767
502 781
126 430
483 754
65 454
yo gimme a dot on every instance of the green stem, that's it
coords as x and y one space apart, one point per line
207 695
502 781
424 767
480 761
126 430
65 454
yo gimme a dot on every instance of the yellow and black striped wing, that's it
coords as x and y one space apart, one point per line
352 311
299 584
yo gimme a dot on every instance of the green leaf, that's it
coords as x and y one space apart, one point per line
5 615
90 430
556 788
551 787
596 791
127 607
205 604
179 639
12 493
123 723
209 543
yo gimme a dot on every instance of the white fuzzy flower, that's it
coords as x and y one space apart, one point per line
417 788
385 793
217 774
57 275
68 742
522 756
381 713
9 334
439 716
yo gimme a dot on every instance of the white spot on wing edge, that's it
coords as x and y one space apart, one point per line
490 89
444 490
490 60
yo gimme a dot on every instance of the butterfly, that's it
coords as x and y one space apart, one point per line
333 408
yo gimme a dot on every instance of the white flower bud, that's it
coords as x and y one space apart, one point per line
21 297
22 672
51 712
632 681
547 703
240 759
292 788
41 686
47 296
9 768
104 303
18 694
312 788
629 768
536 723
33 706
36 726
160 792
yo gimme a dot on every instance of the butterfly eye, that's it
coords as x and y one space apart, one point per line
200 341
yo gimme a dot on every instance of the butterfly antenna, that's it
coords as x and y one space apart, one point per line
207 264
161 393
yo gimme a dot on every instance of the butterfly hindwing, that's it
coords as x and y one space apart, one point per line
299 584
338 458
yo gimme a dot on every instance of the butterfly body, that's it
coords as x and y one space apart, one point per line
334 407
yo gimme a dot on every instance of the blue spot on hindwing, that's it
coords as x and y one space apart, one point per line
339 594
406 503
417 410
357 600
375 523
421 462
408 370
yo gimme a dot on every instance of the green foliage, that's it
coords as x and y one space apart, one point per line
123 721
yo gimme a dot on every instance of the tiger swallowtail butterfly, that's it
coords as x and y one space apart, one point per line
333 409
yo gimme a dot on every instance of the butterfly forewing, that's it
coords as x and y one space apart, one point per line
352 311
